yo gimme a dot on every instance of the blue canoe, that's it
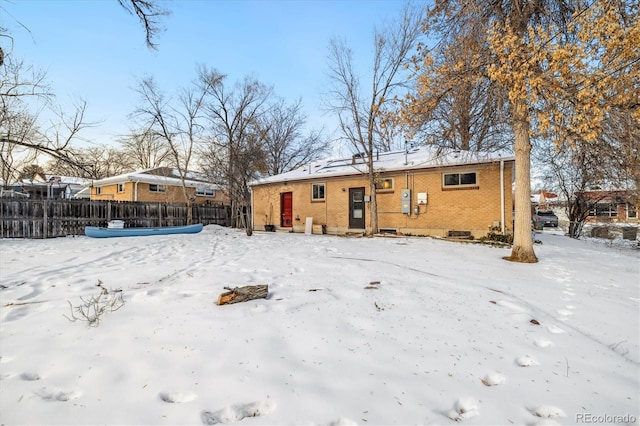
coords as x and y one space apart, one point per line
99 232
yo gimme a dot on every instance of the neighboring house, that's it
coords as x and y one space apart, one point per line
161 184
46 186
612 206
423 191
544 200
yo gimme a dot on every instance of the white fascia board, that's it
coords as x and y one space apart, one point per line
416 159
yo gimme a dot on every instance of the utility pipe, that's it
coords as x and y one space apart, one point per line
502 229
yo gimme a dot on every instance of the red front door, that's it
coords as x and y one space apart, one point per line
286 209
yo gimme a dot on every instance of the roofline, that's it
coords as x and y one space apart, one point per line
395 170
135 177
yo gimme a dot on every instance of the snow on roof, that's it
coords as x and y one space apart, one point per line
167 177
66 179
423 157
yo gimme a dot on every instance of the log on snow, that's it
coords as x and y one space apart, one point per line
243 294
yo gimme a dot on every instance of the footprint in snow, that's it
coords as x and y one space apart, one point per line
463 409
30 376
543 343
564 312
237 412
548 411
493 379
526 361
343 422
57 394
555 329
177 397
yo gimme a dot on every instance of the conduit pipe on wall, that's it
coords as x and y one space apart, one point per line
502 228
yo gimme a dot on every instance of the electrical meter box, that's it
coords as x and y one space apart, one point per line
406 201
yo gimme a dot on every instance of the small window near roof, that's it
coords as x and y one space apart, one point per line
98 190
317 191
121 187
157 188
460 179
384 184
205 192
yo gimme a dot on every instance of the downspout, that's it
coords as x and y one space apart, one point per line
502 228
253 210
135 190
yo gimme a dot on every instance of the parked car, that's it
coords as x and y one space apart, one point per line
543 218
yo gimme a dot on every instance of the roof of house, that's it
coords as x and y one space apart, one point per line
160 176
423 157
544 196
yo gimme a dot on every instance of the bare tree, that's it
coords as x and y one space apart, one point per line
235 154
572 170
150 16
145 149
178 126
285 146
361 114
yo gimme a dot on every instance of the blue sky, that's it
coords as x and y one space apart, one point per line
94 50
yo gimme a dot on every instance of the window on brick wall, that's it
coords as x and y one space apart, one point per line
205 192
604 209
157 188
317 192
452 180
632 213
384 184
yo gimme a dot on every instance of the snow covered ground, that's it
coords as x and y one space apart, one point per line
451 333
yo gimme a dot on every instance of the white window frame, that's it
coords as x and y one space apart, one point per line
322 185
459 180
120 188
98 190
612 210
158 188
632 212
205 192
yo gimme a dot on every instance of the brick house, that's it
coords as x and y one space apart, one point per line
161 184
611 206
422 191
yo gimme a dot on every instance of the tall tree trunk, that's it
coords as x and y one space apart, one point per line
522 250
189 212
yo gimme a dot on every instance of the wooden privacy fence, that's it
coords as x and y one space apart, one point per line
60 218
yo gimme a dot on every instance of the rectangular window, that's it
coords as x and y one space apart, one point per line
604 209
632 213
121 187
98 190
205 192
157 188
460 179
384 184
317 191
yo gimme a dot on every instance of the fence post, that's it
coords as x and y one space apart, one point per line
45 219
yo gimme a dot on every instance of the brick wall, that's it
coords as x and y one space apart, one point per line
474 208
173 194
